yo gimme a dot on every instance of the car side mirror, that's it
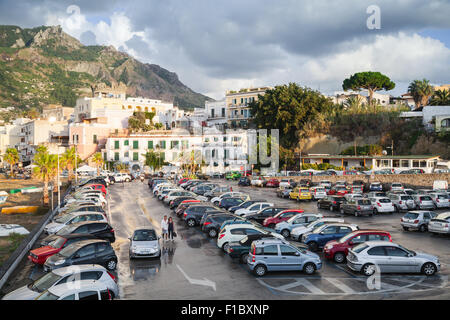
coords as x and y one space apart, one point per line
76 256
410 255
297 254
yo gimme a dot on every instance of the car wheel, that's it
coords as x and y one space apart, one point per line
190 223
405 228
339 257
368 269
285 233
225 247
127 180
212 233
260 270
309 268
429 269
111 265
313 246
423 228
244 257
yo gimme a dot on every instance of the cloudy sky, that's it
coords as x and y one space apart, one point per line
215 45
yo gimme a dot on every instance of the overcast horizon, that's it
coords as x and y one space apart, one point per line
218 46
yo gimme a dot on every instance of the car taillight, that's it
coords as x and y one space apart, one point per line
378 204
231 189
359 208
254 254
112 276
222 235
334 202
390 238
112 230
416 221
206 223
165 197
437 200
185 215
400 202
230 249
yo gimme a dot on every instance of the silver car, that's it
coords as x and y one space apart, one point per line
402 202
62 275
144 244
440 199
417 220
388 257
440 224
423 201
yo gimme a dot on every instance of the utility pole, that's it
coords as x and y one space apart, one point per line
59 196
76 160
392 147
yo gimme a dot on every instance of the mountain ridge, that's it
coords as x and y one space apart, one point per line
46 65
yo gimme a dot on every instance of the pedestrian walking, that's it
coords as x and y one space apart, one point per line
165 228
171 229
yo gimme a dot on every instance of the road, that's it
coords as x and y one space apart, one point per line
194 268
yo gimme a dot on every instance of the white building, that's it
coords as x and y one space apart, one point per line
217 113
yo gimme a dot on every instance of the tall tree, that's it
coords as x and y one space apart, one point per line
440 98
69 162
45 168
11 156
370 81
153 160
421 91
97 158
288 108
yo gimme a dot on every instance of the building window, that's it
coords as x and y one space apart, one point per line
105 158
396 163
423 164
212 113
415 164
116 144
234 101
135 144
225 154
150 144
405 163
223 112
116 156
126 142
162 144
135 156
174 144
127 154
94 139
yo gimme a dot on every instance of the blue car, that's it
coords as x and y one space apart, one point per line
302 219
327 232
376 186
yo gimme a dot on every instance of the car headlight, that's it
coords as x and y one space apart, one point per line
58 262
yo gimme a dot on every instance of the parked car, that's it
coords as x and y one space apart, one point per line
255 207
299 231
320 236
71 218
284 215
40 255
284 228
217 191
396 186
184 205
244 205
101 230
244 181
240 249
410 192
194 213
175 194
402 202
382 205
235 232
122 177
332 203
376 186
273 183
83 252
227 203
337 250
300 193
61 276
283 192
339 190
288 183
440 200
440 185
390 258
176 202
81 290
423 201
212 223
417 220
144 243
357 207
258 182
216 200
440 223
318 193
278 255
263 214
375 194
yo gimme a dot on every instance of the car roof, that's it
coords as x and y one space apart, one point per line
380 242
87 222
77 235
80 268
86 242
82 285
369 230
145 228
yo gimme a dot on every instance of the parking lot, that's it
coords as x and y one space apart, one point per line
194 268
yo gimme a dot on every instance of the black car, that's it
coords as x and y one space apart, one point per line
94 181
244 205
261 215
84 252
203 188
244 181
101 230
176 202
211 224
194 214
332 203
227 203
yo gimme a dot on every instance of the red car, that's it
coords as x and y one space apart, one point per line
40 255
338 191
274 183
280 217
96 187
183 180
183 206
337 250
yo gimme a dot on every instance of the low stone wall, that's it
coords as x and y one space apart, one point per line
415 180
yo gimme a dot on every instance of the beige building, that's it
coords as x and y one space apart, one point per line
442 87
58 112
236 104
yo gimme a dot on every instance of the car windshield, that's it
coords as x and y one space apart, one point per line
68 251
320 189
67 229
57 243
406 198
360 247
63 219
346 237
396 185
144 235
425 198
384 200
44 282
47 296
411 215
364 202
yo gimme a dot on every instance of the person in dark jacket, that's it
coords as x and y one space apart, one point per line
171 229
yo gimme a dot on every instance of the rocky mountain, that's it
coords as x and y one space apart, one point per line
45 65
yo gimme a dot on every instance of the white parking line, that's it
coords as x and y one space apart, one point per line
308 285
341 285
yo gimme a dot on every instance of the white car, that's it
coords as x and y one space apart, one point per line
318 193
7 229
60 276
257 181
396 186
97 201
122 177
285 183
253 208
163 186
216 200
80 290
382 204
325 184
440 199
235 232
440 224
177 193
351 196
297 232
70 218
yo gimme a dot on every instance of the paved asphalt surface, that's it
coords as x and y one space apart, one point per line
194 268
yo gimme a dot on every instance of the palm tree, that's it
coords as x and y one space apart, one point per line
98 160
153 160
69 162
45 168
440 98
421 91
11 156
354 103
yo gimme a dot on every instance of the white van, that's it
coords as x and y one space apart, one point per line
440 185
